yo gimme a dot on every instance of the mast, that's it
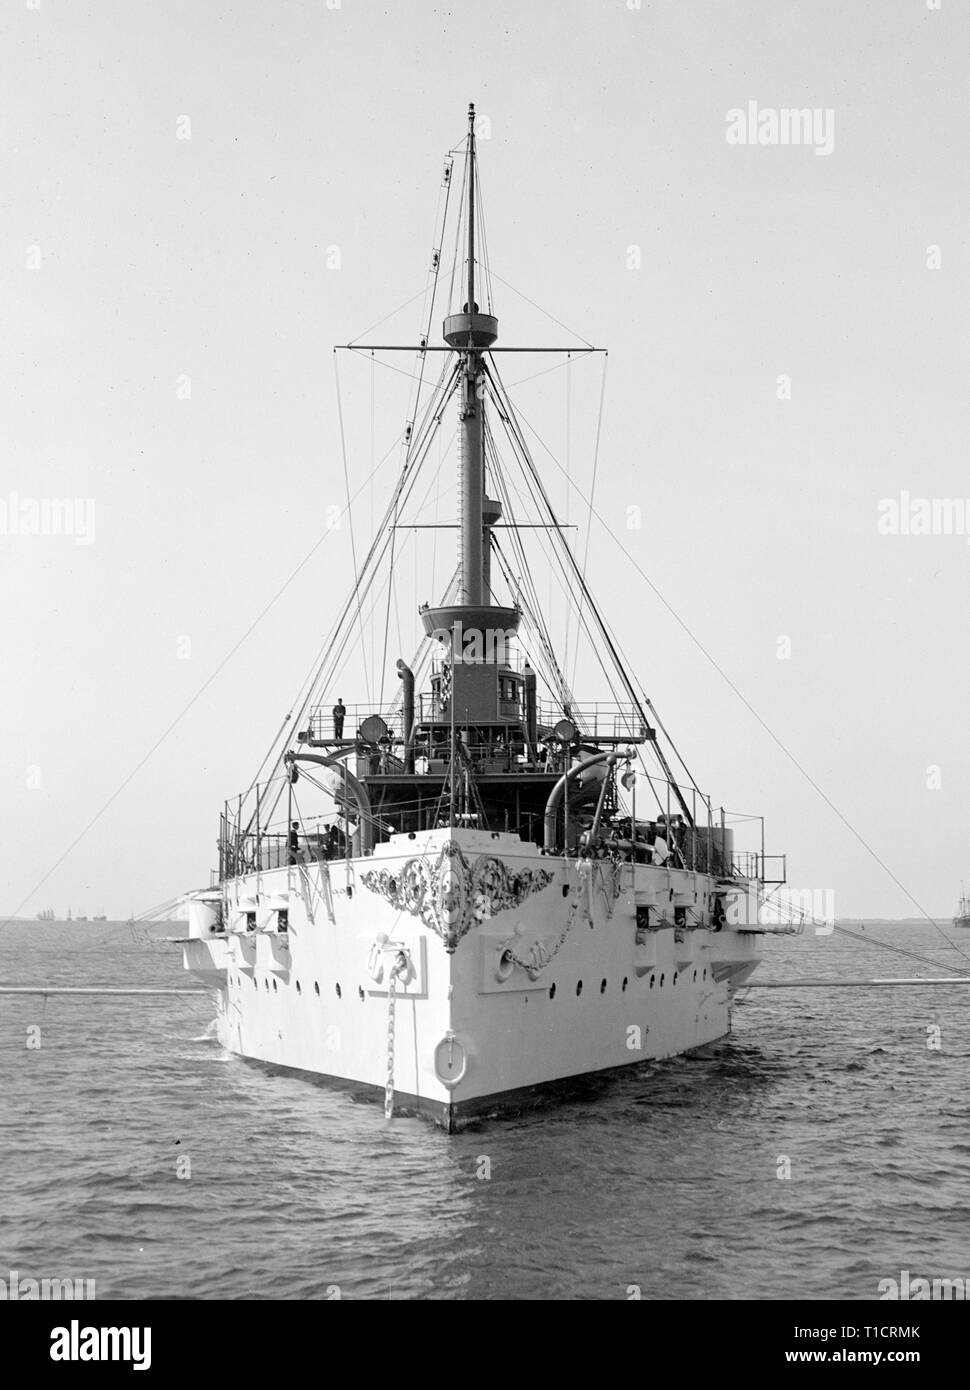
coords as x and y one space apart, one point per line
473 695
471 332
471 208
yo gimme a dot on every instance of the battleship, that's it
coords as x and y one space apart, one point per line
962 919
463 899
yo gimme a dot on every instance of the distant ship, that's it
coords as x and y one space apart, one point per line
46 916
513 896
962 919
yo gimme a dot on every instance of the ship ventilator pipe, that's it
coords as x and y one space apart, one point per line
556 795
407 702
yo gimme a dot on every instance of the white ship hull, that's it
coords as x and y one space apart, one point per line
549 977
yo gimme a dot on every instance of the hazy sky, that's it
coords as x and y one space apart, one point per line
132 260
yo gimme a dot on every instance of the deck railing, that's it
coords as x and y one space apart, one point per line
601 719
256 830
320 724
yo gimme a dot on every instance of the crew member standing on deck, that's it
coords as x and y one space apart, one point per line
293 844
339 710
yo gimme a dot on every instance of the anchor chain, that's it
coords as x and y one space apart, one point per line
399 968
541 954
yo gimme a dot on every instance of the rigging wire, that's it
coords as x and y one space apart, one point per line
333 677
543 506
373 454
393 505
350 515
577 355
387 617
426 434
387 366
554 559
459 241
592 491
899 950
556 321
424 334
434 541
394 312
558 681
526 458
485 261
690 776
568 450
765 726
555 679
806 919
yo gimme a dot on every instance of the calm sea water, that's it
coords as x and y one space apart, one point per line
665 1178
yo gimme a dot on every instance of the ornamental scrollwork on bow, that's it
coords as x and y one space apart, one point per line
449 894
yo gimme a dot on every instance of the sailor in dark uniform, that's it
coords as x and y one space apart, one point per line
293 843
339 710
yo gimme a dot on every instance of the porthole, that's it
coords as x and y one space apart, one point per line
652 978
255 984
625 983
299 988
695 978
674 980
274 987
579 987
339 992
602 986
266 983
552 991
662 978
565 890
705 972
316 988
360 993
